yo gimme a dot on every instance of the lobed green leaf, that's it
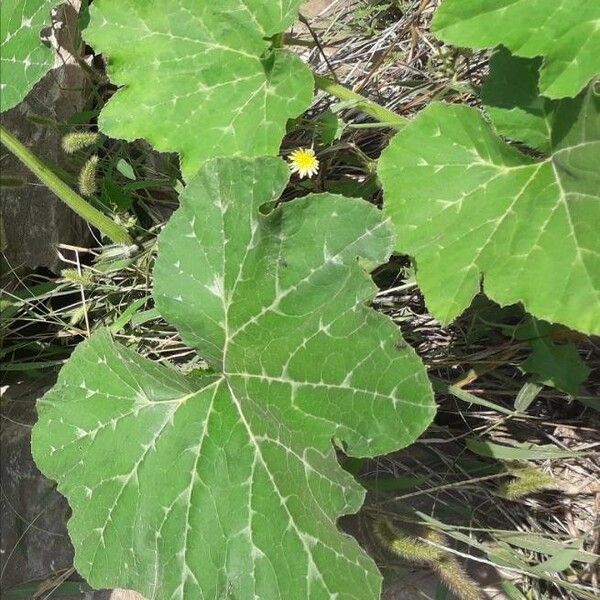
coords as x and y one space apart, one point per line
511 98
565 33
555 364
200 77
469 207
228 485
24 59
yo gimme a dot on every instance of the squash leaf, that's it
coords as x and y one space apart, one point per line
564 33
512 101
24 59
468 206
227 485
558 365
200 77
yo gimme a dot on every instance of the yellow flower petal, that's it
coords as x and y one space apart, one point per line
304 162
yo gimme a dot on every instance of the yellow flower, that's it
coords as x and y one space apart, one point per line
304 162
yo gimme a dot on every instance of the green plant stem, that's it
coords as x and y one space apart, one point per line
84 209
278 40
290 40
367 106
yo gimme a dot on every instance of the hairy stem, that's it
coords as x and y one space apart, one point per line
367 106
84 209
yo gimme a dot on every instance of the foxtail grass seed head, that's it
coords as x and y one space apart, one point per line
128 221
416 550
457 580
117 252
87 176
73 142
406 546
527 481
77 315
85 278
304 162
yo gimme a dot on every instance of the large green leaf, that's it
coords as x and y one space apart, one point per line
512 101
466 205
200 77
24 60
558 365
564 32
227 486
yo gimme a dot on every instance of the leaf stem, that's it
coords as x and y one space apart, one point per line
84 209
367 106
290 40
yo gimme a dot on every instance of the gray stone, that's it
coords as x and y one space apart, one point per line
33 220
33 541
